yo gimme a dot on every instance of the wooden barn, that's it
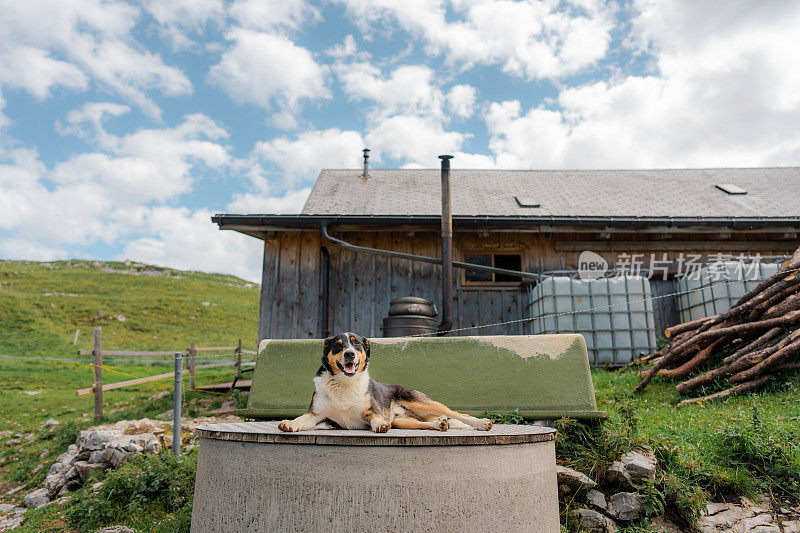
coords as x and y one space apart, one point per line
317 280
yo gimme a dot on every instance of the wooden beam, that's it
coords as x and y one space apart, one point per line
681 246
97 388
126 353
138 381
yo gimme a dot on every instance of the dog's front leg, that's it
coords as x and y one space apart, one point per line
376 422
304 422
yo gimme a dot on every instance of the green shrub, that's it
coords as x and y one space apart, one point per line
152 492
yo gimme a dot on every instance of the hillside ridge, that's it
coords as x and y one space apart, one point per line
139 307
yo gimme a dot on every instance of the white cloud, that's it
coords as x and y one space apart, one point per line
274 14
348 48
726 94
528 39
249 203
3 119
303 157
269 71
184 239
52 43
105 195
461 100
408 89
416 140
180 18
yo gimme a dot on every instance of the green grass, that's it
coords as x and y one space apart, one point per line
49 301
162 312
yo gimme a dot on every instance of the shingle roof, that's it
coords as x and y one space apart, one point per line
771 192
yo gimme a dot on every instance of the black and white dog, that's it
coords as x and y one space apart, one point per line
345 395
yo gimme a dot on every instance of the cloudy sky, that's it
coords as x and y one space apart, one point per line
125 125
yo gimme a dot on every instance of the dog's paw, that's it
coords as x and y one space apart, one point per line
288 425
442 424
484 424
379 425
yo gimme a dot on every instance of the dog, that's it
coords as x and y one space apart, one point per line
346 396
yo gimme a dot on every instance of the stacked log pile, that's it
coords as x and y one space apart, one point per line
754 341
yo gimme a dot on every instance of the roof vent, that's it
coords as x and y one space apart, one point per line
731 188
366 163
527 201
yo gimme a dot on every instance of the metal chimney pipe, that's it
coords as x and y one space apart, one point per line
366 163
447 249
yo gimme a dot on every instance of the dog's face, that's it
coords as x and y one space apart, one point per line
345 353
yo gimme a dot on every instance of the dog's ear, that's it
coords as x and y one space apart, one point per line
365 342
326 346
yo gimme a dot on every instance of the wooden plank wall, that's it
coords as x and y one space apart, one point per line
362 285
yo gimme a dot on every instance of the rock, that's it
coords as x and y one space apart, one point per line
571 481
166 415
50 423
96 486
94 438
597 498
6 507
121 447
792 526
44 454
70 456
723 517
632 470
159 395
592 521
625 506
661 524
86 469
115 529
37 468
55 479
36 499
96 457
11 522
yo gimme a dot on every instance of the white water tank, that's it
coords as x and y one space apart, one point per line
713 289
615 315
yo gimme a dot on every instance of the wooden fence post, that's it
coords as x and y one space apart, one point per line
190 364
239 359
97 350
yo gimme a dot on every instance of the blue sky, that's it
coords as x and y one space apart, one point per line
124 125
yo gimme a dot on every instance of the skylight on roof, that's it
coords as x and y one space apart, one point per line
527 201
730 188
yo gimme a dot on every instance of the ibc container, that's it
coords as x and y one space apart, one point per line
711 290
615 315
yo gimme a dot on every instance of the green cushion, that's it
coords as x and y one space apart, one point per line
544 376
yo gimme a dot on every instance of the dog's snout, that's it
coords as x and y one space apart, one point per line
349 356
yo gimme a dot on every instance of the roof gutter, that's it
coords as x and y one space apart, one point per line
420 258
261 222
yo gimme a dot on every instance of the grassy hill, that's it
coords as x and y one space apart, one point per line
139 307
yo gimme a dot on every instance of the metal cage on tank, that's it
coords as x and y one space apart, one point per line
614 314
714 288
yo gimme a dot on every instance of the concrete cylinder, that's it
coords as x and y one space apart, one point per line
251 477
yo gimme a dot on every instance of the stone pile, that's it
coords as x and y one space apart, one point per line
749 516
109 446
98 448
610 511
622 504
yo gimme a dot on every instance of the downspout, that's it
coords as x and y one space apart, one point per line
323 291
447 249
